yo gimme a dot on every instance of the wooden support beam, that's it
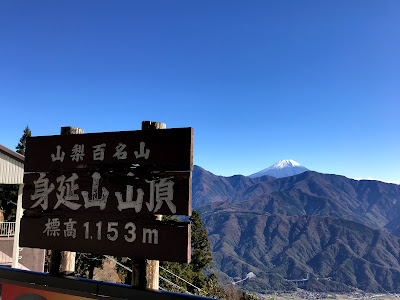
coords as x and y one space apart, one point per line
18 217
149 125
146 273
63 262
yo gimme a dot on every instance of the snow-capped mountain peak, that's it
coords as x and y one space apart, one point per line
282 168
284 164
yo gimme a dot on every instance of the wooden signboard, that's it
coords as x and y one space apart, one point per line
141 150
166 193
115 235
111 181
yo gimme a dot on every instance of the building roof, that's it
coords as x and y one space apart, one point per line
12 154
11 166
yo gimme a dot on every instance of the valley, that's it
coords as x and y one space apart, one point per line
339 232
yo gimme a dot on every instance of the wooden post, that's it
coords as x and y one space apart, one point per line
63 262
18 217
145 273
149 125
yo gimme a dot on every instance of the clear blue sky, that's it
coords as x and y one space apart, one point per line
259 81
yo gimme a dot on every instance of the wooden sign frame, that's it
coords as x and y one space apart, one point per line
114 182
124 236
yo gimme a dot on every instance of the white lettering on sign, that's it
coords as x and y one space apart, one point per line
150 236
119 152
69 230
96 201
98 152
143 153
52 227
160 191
129 203
59 155
111 231
78 152
67 190
42 191
131 230
164 191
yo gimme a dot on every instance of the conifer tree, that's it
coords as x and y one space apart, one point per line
201 256
22 142
194 271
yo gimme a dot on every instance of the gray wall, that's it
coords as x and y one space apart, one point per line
33 259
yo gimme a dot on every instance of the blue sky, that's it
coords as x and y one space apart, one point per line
259 81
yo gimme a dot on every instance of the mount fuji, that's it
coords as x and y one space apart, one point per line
282 168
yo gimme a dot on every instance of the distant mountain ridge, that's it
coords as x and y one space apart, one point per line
370 202
282 168
336 213
209 188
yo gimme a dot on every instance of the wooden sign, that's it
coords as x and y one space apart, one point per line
150 150
111 172
102 234
109 192
98 193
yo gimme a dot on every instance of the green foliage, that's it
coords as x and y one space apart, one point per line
194 271
22 141
201 256
123 274
85 264
8 200
246 296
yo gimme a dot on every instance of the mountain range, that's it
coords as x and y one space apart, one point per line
341 234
